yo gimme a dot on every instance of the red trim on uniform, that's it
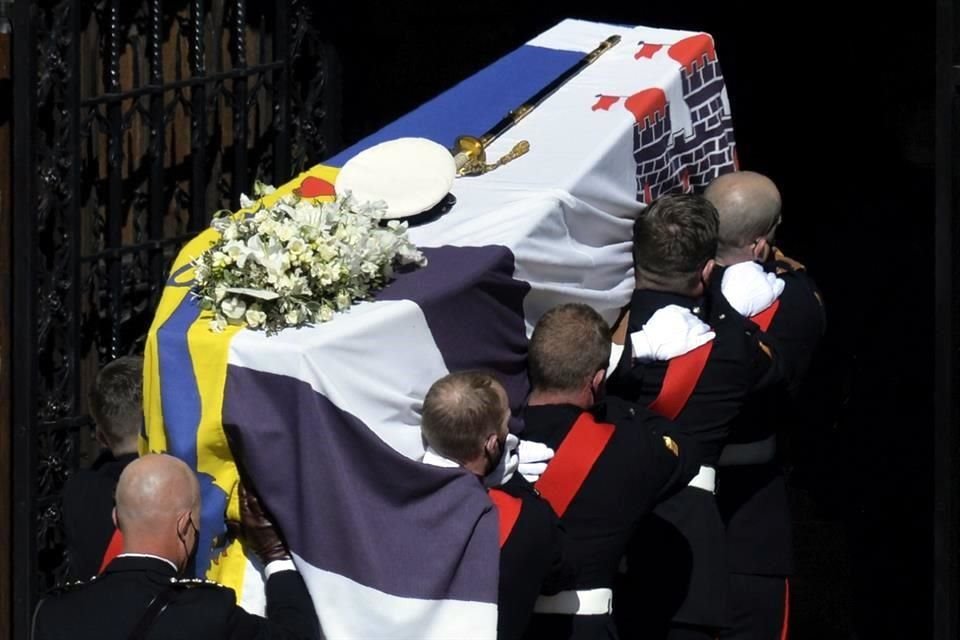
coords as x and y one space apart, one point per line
765 317
786 610
573 461
683 373
508 512
113 549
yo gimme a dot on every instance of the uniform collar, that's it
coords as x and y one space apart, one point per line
434 459
645 302
549 423
142 562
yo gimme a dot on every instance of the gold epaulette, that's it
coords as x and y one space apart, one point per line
192 583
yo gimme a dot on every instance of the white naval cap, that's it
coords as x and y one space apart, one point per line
411 175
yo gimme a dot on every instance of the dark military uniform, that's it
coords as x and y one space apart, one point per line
752 492
635 469
112 605
88 512
533 559
677 562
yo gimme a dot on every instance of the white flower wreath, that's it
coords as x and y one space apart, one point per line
298 261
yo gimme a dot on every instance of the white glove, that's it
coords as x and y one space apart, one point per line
534 457
749 289
616 352
507 465
670 332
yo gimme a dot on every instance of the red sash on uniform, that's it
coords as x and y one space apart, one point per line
765 317
683 373
573 461
508 510
113 549
786 610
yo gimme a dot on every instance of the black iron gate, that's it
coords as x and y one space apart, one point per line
133 121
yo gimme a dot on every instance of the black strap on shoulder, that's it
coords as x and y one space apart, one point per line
157 606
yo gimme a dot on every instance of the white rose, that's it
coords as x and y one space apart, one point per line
267 228
387 243
308 217
218 324
255 317
230 232
326 313
343 300
297 246
219 293
285 232
233 309
325 251
292 317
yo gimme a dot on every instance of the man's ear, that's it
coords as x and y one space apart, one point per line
761 250
707 270
183 524
491 443
116 521
101 438
598 379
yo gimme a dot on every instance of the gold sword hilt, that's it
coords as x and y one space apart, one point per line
469 152
471 157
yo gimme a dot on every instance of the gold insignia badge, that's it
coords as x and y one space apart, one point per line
669 443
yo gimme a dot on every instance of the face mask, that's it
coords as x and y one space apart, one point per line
189 566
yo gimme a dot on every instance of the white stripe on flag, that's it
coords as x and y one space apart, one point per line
253 597
578 35
375 614
376 361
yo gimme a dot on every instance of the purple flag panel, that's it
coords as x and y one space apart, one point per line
474 308
349 504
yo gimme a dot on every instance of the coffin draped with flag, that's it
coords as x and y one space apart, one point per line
325 419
